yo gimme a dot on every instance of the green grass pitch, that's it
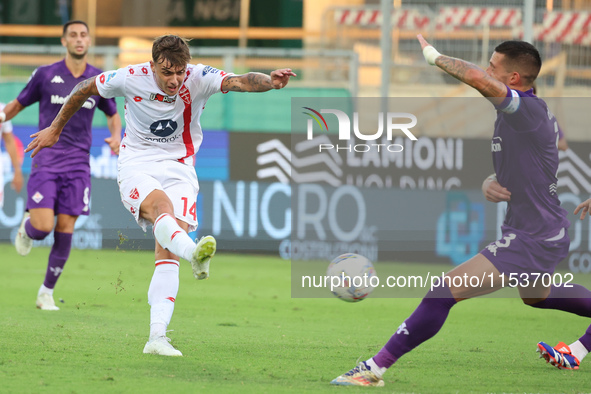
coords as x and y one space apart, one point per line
241 332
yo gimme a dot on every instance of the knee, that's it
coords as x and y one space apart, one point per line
41 225
158 207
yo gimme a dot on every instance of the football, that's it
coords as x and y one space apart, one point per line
352 277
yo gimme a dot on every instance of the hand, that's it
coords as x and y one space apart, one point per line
43 139
113 144
423 42
429 52
584 207
280 78
493 191
17 181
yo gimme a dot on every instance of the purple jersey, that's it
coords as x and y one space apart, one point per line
525 158
50 85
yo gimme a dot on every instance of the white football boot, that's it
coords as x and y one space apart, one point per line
22 242
202 256
45 302
161 346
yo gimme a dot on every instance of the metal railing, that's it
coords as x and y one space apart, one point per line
315 67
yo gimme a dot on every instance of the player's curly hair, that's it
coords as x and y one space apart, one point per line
171 48
524 56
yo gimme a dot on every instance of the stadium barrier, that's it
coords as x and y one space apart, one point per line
315 68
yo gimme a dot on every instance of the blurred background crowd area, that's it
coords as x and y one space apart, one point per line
335 46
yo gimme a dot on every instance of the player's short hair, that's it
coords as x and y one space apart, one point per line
75 22
523 57
171 48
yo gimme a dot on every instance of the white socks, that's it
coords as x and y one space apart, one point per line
379 372
162 295
172 237
44 289
578 350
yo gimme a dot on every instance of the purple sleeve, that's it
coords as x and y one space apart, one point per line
560 132
108 106
32 92
511 103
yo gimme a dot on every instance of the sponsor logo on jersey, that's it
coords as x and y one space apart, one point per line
111 76
137 99
162 98
55 99
57 79
163 128
209 69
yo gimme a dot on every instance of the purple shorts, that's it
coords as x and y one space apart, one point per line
517 253
67 193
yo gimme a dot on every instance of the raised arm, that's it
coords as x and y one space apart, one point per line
469 73
50 135
257 82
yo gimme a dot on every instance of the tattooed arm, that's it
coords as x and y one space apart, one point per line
49 136
257 82
469 73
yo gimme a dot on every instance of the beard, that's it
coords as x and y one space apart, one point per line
78 56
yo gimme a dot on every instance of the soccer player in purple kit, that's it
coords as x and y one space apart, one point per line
59 184
534 234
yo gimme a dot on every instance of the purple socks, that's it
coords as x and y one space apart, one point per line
424 323
33 233
586 339
57 258
575 299
432 312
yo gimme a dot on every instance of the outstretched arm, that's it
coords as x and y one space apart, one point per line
50 135
257 82
469 73
11 110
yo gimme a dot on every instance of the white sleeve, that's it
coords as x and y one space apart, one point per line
210 78
112 83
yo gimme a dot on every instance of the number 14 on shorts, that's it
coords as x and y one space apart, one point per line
191 211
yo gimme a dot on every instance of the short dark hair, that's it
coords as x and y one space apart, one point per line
171 48
524 56
76 22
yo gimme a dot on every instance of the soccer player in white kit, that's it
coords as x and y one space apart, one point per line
164 99
8 137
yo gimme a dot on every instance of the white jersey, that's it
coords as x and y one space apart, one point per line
160 127
5 127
